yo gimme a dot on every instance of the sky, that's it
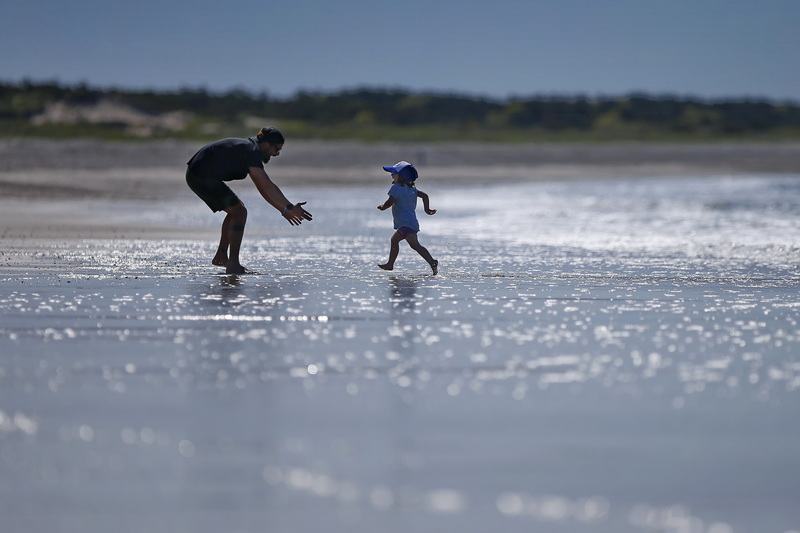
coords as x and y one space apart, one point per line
713 49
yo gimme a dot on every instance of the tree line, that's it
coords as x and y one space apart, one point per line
365 108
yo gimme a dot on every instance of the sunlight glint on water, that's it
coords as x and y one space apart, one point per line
576 331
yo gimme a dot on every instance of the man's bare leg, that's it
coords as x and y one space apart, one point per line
221 257
238 219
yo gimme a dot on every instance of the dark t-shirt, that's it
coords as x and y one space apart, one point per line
226 159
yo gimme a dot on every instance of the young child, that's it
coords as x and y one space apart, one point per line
403 201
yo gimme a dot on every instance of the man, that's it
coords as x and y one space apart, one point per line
235 159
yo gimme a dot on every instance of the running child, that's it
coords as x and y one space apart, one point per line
403 201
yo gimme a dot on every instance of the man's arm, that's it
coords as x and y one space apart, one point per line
294 213
426 203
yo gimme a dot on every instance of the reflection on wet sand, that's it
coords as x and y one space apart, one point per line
629 366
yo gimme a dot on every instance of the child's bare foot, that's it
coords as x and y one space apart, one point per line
435 267
387 266
220 260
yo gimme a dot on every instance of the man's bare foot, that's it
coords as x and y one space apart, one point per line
220 260
435 267
238 269
387 266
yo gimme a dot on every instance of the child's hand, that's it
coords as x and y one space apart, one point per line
382 207
430 211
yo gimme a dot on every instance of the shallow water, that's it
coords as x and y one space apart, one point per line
616 356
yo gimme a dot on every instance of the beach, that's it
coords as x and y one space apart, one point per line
102 173
611 344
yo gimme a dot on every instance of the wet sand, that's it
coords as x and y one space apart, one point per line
82 181
614 350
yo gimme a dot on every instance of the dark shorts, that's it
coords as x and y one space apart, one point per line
405 231
214 193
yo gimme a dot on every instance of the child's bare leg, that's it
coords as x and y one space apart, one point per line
421 250
221 257
394 249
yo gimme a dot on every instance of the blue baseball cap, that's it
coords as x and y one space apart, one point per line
405 169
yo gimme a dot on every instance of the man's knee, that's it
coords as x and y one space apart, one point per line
238 212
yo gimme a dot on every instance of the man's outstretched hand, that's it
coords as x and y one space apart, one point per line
297 214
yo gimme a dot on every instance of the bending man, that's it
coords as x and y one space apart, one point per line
235 159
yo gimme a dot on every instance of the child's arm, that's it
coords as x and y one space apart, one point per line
426 203
387 204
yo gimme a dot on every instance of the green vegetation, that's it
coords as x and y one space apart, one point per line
54 110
